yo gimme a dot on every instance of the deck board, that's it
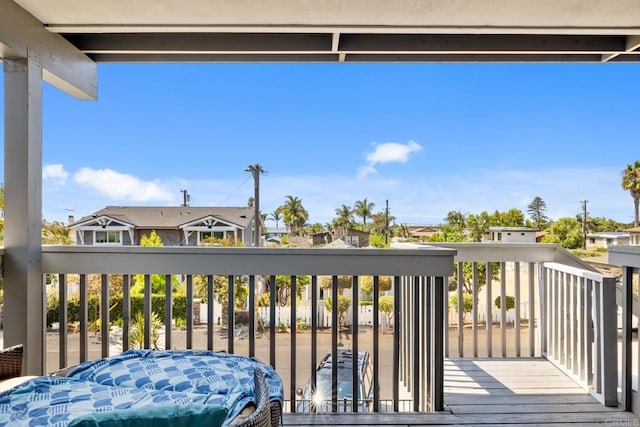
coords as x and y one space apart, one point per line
494 393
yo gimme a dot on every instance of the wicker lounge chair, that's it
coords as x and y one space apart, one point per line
261 417
11 362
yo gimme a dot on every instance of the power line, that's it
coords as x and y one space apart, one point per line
235 191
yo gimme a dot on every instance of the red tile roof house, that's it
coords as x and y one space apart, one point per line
176 226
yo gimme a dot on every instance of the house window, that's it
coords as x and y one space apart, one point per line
202 235
499 236
592 240
108 238
609 241
352 240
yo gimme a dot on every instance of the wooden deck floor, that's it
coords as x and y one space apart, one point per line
495 392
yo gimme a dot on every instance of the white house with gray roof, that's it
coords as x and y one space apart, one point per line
176 226
510 235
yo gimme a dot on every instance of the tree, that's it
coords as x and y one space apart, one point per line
343 305
55 233
283 286
536 210
456 220
467 303
276 216
363 209
294 214
477 226
385 283
631 182
385 304
567 232
379 224
157 280
511 218
344 214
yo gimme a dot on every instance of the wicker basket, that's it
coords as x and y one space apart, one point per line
11 362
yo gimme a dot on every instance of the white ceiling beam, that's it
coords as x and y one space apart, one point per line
342 29
633 43
64 66
335 42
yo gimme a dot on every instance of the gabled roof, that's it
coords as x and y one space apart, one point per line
168 217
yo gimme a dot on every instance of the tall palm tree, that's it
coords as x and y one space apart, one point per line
344 215
276 216
294 214
631 182
363 209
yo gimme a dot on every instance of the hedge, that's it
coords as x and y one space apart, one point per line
115 307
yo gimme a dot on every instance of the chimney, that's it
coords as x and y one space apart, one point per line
71 219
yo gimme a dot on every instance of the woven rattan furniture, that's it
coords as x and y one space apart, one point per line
11 362
261 417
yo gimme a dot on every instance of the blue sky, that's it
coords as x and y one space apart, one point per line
430 138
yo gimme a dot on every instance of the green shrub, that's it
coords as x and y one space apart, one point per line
511 302
467 302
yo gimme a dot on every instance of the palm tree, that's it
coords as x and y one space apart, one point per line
631 182
276 216
294 214
363 209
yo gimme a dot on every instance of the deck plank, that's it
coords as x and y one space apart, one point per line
494 393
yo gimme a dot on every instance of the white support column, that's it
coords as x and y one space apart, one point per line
24 297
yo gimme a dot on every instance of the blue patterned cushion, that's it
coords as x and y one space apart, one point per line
220 379
55 401
156 416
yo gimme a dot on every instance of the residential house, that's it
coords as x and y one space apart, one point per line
634 236
606 239
423 232
510 235
176 226
350 236
274 235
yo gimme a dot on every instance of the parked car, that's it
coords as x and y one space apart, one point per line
320 398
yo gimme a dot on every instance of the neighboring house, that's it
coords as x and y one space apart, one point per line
423 232
273 235
634 236
350 236
176 226
510 235
605 239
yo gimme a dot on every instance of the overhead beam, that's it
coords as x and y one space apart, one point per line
64 66
632 43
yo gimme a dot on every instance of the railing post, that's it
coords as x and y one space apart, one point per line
63 319
542 304
104 314
437 355
627 339
608 340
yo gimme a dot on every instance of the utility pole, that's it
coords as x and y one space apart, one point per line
386 221
256 170
584 223
186 198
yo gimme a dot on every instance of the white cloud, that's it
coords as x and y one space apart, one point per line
55 174
388 152
119 186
